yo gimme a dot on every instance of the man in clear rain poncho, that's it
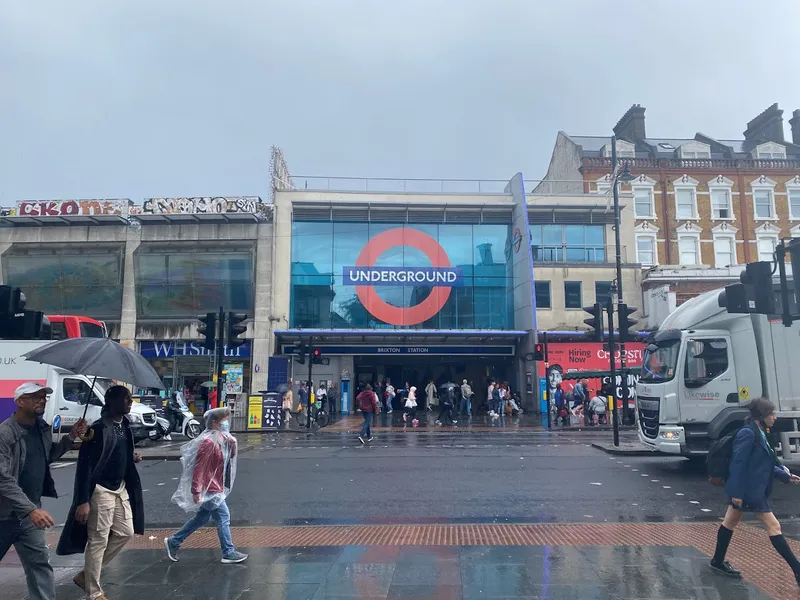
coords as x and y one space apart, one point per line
209 468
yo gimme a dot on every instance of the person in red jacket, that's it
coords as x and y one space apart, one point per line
367 401
211 481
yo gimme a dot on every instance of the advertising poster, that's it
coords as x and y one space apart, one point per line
233 378
271 410
573 357
254 412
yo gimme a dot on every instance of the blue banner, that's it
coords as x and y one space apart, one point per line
391 350
404 276
168 349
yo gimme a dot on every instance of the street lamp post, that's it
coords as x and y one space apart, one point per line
616 179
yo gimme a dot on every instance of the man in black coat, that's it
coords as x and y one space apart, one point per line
107 507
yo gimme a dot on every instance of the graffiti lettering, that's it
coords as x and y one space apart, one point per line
70 208
201 205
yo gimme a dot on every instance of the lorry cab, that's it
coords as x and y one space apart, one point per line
695 379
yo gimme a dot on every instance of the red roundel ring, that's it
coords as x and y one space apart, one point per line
377 306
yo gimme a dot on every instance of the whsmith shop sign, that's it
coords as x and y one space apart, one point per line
395 350
159 349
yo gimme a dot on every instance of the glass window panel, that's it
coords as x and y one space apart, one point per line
720 204
312 247
536 235
542 290
642 204
645 250
552 235
578 254
723 252
602 290
685 200
794 203
595 235
574 235
687 247
763 200
572 294
457 242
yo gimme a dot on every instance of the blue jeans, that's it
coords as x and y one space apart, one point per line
222 518
466 406
365 432
29 542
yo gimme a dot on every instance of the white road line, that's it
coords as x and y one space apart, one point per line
706 509
635 470
654 480
595 483
678 494
160 484
693 502
666 487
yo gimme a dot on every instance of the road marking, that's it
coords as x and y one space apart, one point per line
706 509
145 491
634 504
174 479
589 516
61 465
595 483
666 487
626 466
160 484
635 470
678 494
654 480
693 502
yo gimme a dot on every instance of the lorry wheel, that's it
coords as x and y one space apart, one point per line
192 431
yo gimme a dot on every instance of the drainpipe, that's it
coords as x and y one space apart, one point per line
743 216
665 218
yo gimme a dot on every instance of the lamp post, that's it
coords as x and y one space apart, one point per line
617 178
612 360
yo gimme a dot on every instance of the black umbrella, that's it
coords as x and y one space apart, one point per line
98 357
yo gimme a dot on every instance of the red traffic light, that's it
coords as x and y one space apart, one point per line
317 352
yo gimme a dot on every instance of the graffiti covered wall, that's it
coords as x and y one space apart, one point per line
72 208
200 205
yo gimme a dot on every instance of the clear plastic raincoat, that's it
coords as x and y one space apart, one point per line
209 466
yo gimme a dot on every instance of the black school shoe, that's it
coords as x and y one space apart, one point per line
725 569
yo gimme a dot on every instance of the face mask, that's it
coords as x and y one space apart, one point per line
225 426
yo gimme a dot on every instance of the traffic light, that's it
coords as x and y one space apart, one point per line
316 356
12 301
595 322
235 329
625 322
300 350
538 352
793 249
28 325
758 275
208 329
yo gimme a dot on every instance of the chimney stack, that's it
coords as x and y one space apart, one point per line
631 126
766 127
795 124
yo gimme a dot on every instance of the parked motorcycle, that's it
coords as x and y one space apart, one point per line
176 418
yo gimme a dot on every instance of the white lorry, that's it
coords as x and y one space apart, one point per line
70 395
703 366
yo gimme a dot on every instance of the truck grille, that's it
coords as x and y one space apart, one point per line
149 418
648 416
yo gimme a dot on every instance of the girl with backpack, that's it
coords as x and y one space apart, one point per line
411 407
753 467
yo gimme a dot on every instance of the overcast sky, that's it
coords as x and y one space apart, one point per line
138 98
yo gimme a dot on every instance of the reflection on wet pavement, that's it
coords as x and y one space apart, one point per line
430 572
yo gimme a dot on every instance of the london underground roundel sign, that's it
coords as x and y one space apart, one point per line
441 277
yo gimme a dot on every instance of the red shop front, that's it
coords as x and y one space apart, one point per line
573 357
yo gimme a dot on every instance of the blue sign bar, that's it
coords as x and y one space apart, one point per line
168 349
404 276
395 350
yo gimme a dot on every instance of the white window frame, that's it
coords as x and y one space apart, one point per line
763 184
695 150
721 184
651 237
770 151
695 237
643 182
603 185
764 237
686 184
730 240
792 189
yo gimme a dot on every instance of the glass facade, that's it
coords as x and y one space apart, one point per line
405 261
68 283
568 243
184 284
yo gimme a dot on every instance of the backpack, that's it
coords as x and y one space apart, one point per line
718 461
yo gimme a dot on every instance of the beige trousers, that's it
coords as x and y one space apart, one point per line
110 527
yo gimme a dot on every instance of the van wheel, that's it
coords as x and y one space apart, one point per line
192 431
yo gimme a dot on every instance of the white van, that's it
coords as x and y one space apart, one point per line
70 392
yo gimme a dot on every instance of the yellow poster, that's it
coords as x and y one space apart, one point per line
255 412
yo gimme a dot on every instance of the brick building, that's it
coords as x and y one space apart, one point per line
701 206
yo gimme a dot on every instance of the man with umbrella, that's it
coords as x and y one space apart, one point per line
26 451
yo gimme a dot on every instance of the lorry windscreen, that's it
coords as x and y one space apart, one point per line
660 360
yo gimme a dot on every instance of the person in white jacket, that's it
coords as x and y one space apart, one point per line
411 407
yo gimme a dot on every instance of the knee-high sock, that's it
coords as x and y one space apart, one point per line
782 546
724 536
